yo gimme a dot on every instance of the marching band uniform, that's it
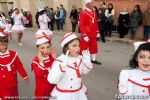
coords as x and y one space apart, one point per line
9 65
134 83
8 28
69 82
88 24
18 22
43 23
43 87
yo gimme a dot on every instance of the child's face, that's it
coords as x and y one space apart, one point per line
3 47
74 48
143 60
44 49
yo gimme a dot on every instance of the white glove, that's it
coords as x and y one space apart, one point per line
86 58
86 39
98 35
64 63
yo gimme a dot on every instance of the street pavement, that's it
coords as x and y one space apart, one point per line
101 81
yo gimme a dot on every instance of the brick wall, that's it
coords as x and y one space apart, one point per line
129 4
120 4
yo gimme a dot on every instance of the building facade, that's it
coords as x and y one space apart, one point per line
32 5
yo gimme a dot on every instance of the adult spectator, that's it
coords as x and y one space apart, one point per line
135 18
110 15
146 22
74 17
123 23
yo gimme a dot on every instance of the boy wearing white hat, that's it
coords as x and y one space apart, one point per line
10 64
88 25
67 70
41 65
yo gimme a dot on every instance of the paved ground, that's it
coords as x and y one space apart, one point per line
101 81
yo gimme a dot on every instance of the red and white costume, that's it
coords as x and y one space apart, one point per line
88 25
8 28
134 83
43 23
43 87
10 64
69 81
18 22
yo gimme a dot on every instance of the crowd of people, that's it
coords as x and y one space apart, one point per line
60 78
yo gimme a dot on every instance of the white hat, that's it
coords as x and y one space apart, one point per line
2 33
137 44
15 8
87 1
40 9
42 38
67 38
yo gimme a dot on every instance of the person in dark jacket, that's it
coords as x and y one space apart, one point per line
74 17
123 23
135 18
101 24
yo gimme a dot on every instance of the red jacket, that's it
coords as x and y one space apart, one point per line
9 65
88 23
41 73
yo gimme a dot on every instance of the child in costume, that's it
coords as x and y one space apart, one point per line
135 83
67 70
10 64
18 25
8 28
41 65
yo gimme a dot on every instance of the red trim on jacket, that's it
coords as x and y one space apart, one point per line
61 68
68 91
146 79
76 68
148 87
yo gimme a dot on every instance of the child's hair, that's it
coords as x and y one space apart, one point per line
65 48
46 42
8 21
143 47
4 39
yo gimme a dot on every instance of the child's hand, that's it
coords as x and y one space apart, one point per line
86 58
53 53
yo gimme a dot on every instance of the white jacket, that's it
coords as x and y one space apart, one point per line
43 21
71 78
134 83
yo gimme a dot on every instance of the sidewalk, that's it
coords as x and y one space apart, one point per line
115 38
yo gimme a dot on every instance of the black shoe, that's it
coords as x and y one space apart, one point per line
96 62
